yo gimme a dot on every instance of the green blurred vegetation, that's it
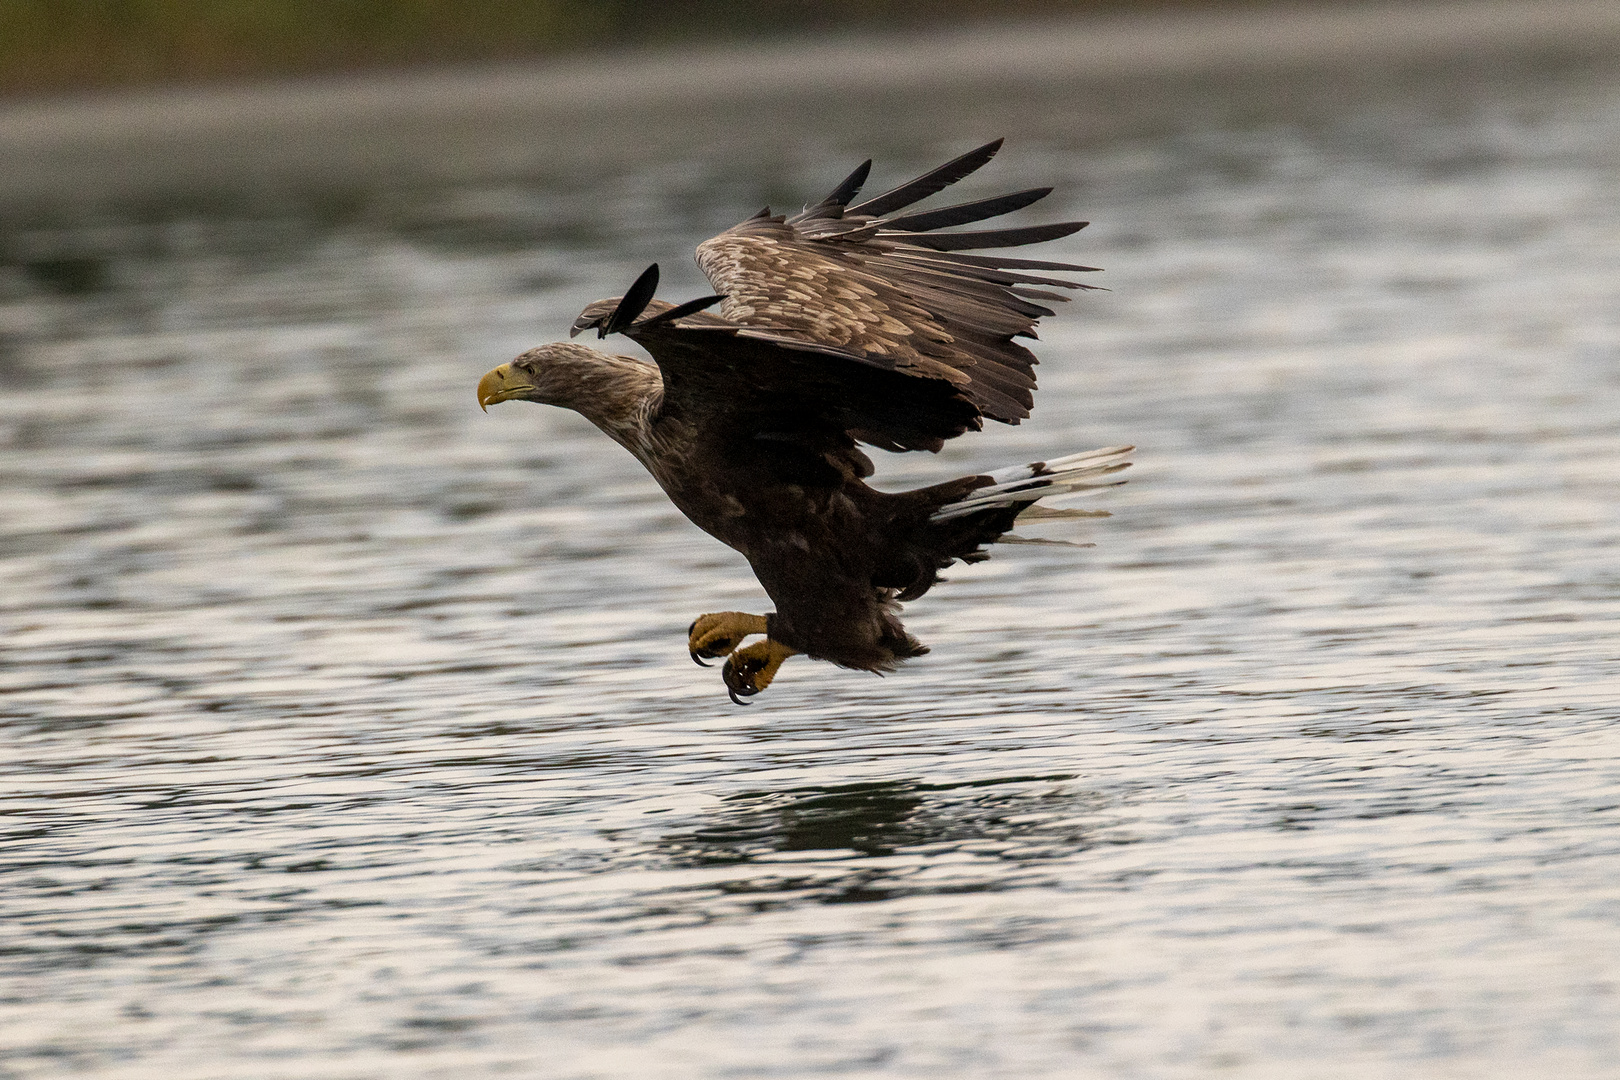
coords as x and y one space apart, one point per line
68 44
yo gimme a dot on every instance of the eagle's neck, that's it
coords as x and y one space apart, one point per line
616 393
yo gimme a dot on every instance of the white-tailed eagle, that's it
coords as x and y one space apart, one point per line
844 324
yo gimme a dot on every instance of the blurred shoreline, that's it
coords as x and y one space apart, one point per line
510 119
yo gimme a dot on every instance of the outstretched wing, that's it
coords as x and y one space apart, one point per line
800 405
887 285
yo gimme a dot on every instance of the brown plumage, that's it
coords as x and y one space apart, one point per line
840 325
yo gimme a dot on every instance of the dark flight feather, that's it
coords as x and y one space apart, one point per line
1031 234
1007 262
966 213
679 311
633 304
835 202
928 183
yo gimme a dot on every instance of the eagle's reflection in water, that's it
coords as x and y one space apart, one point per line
876 840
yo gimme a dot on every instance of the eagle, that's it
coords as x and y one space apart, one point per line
848 324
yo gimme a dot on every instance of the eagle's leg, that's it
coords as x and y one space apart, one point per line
751 669
720 634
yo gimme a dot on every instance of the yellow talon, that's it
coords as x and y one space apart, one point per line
750 670
720 634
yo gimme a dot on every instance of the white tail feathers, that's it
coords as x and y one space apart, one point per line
1014 538
1037 512
1027 483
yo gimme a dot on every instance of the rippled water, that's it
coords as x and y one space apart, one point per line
350 732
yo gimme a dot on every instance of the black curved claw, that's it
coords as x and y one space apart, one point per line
733 678
735 700
691 651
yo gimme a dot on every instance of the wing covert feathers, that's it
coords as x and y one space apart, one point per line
863 279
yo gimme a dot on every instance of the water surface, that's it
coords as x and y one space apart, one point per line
350 731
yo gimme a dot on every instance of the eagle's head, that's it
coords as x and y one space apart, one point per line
616 393
547 374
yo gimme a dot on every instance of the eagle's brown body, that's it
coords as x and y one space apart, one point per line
842 325
842 609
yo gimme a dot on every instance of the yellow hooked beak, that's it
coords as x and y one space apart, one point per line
501 384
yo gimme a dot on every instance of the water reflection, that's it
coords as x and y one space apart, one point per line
873 841
885 817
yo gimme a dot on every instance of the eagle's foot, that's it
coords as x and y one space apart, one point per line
751 669
720 634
